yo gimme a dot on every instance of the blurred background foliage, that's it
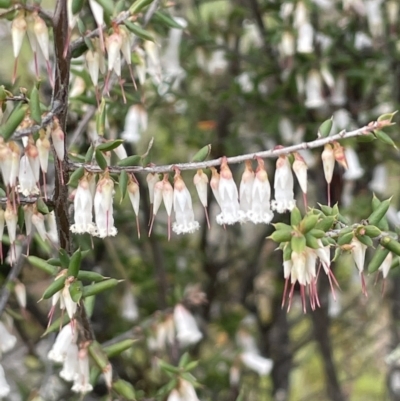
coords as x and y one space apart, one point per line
242 75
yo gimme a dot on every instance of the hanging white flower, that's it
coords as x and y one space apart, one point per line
283 185
187 331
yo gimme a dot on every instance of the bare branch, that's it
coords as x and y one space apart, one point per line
272 153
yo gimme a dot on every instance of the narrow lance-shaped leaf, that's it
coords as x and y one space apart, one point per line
138 5
76 6
118 348
380 212
391 244
202 154
110 145
101 160
101 118
75 290
123 183
42 207
54 287
15 119
100 287
89 154
385 138
139 31
325 128
64 258
124 389
42 265
98 355
281 236
75 177
75 263
295 217
387 117
134 160
167 20
86 275
34 105
377 260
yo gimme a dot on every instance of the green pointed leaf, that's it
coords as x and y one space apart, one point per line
55 286
325 128
139 31
298 243
100 287
101 160
295 217
380 212
42 265
75 177
64 258
308 223
89 154
387 117
390 244
75 263
139 5
75 290
202 154
15 119
76 6
134 160
86 275
110 145
365 240
101 118
385 138
312 242
281 235
34 105
42 207
326 223
124 389
377 260
123 183
165 19
118 348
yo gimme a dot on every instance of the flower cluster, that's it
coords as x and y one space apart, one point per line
75 361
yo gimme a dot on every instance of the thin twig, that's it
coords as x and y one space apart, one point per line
14 273
272 153
47 120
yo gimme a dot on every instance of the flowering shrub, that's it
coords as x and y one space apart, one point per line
110 52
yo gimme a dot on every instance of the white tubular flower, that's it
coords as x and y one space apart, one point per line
52 233
184 215
136 122
83 206
187 331
261 197
27 182
82 381
187 391
228 195
300 169
374 17
18 30
246 188
200 180
130 311
20 294
4 387
113 45
103 206
257 363
151 179
301 14
120 151
358 250
7 340
313 88
168 199
28 213
386 265
214 184
338 96
38 222
70 370
174 395
379 182
11 219
92 59
328 162
15 158
354 170
58 137
5 162
283 185
286 46
32 153
305 38
65 339
43 147
66 300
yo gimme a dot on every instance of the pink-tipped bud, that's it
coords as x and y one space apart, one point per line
113 45
18 30
11 219
58 137
328 162
43 147
20 294
200 180
300 169
93 65
340 156
42 35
